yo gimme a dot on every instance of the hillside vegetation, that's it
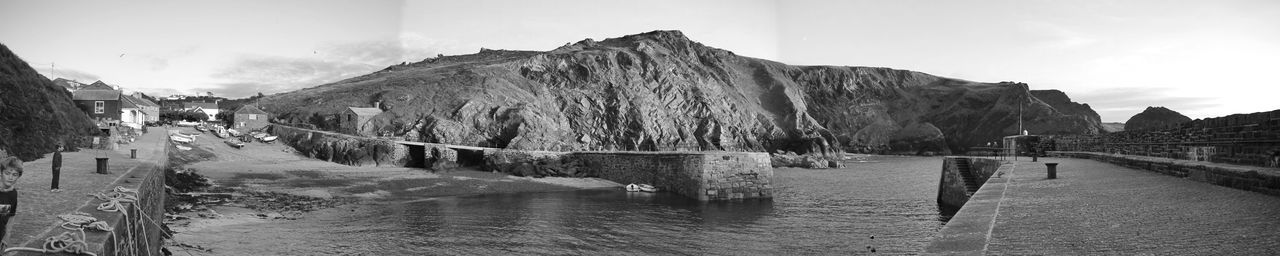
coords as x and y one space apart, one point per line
34 113
663 91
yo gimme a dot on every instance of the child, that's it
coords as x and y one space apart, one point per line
10 171
57 168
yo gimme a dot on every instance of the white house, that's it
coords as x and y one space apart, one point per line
210 109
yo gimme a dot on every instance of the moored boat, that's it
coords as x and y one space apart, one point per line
235 143
641 188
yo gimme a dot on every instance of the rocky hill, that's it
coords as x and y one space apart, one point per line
1113 127
663 91
1154 118
35 113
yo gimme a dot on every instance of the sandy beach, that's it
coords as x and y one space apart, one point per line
266 186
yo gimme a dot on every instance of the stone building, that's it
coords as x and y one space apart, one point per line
355 121
249 117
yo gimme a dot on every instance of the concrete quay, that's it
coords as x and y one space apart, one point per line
1097 208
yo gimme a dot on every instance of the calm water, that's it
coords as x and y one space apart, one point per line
834 211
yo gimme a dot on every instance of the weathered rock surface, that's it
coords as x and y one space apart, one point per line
1154 118
35 114
343 149
663 91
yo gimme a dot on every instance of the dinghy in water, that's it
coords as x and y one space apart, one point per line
641 188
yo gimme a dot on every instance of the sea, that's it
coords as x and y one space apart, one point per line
875 205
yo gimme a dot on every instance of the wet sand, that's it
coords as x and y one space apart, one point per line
225 227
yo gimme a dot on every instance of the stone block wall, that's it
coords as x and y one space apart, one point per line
703 175
136 232
706 176
1262 180
342 148
951 189
1243 139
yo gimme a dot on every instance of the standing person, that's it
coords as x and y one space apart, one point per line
10 171
57 168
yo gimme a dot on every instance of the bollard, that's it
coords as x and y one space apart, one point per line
102 165
1053 170
1035 157
133 153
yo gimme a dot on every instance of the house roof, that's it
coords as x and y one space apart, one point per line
250 109
99 85
84 94
203 105
127 102
365 111
142 101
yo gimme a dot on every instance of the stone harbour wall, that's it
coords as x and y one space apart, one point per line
1243 139
702 175
1257 179
343 148
136 232
951 188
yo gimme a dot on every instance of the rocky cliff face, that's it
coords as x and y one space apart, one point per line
1154 118
663 91
34 113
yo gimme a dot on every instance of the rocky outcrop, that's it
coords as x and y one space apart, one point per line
35 114
662 91
1154 118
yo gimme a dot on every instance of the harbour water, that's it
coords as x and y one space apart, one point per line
886 203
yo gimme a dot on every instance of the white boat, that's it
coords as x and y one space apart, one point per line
268 139
235 143
177 138
180 147
641 188
185 123
233 132
259 135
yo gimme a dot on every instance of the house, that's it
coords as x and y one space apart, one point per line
208 108
100 101
355 121
249 117
151 109
130 114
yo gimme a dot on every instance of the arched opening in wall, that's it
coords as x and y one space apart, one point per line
470 157
417 156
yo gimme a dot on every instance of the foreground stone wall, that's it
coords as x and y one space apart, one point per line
1262 180
138 231
342 148
1243 139
951 190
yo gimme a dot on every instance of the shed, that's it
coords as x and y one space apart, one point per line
249 117
355 120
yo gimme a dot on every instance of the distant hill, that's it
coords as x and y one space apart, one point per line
1113 127
1154 118
663 91
34 113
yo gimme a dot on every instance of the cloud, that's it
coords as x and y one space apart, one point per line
61 72
1119 103
250 74
1059 37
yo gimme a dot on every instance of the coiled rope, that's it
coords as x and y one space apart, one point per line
67 242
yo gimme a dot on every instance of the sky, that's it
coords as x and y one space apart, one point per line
1201 58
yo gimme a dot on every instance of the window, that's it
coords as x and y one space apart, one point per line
99 107
253 117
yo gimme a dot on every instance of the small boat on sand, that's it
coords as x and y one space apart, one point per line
180 147
182 139
641 188
268 139
235 144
